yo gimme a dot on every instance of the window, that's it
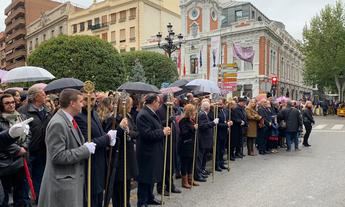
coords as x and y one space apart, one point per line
259 19
122 50
30 45
132 13
36 42
132 49
61 30
82 26
105 36
253 14
282 67
89 24
238 15
122 35
44 37
52 33
193 64
104 20
74 28
97 21
122 16
273 62
132 34
113 36
113 18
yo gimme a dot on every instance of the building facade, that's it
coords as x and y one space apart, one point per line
126 24
240 23
50 24
2 50
19 14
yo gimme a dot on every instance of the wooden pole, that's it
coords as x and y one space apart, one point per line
215 132
195 144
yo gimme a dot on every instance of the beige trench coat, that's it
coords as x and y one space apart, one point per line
253 119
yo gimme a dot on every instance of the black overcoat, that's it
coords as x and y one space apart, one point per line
205 132
149 147
187 137
98 160
237 116
223 115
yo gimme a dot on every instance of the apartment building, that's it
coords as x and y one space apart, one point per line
126 24
50 24
2 50
19 14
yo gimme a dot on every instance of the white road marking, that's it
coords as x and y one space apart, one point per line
320 126
338 127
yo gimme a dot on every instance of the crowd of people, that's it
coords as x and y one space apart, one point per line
57 149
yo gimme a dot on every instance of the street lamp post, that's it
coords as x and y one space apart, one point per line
169 46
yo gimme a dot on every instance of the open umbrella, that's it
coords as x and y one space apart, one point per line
57 86
203 86
138 87
26 74
2 73
179 83
170 90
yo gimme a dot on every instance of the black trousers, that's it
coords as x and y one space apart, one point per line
118 194
145 193
308 129
186 165
221 142
15 181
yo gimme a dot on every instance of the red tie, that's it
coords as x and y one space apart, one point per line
75 125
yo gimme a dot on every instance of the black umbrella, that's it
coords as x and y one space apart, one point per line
57 86
179 83
138 87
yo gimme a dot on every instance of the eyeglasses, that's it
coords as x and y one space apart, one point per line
9 102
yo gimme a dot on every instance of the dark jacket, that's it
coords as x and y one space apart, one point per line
308 119
292 117
149 147
132 167
223 115
205 132
8 155
102 140
37 127
238 115
187 137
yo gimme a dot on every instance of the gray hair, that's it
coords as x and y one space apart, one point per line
205 106
289 103
32 92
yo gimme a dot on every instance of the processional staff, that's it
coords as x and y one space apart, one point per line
89 88
215 134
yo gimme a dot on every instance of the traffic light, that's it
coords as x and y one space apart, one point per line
274 81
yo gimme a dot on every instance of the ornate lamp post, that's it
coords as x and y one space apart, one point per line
169 46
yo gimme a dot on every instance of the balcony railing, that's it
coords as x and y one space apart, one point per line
15 44
16 23
13 5
132 17
16 33
15 55
98 27
14 14
10 66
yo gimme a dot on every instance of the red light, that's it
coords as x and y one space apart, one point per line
274 80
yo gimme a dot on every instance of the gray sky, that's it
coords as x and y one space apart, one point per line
293 13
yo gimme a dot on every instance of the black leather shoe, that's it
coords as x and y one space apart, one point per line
238 156
166 193
223 167
203 176
154 202
218 169
205 172
232 158
200 179
176 190
307 145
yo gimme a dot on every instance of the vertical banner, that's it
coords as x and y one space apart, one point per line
214 58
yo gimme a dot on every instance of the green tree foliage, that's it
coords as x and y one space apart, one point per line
138 72
324 47
158 68
82 57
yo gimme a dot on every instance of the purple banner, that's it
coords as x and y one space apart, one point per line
244 53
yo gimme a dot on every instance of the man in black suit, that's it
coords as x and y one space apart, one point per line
205 140
150 150
239 118
98 160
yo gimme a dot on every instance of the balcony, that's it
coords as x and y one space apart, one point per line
99 27
15 55
10 66
15 44
132 17
15 24
15 13
16 33
13 5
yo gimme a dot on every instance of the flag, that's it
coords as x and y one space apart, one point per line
200 58
179 61
244 53
184 69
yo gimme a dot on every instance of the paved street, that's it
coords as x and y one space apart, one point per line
311 177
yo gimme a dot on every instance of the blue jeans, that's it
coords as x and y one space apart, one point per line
37 165
291 137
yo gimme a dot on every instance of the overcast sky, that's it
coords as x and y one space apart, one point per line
293 13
